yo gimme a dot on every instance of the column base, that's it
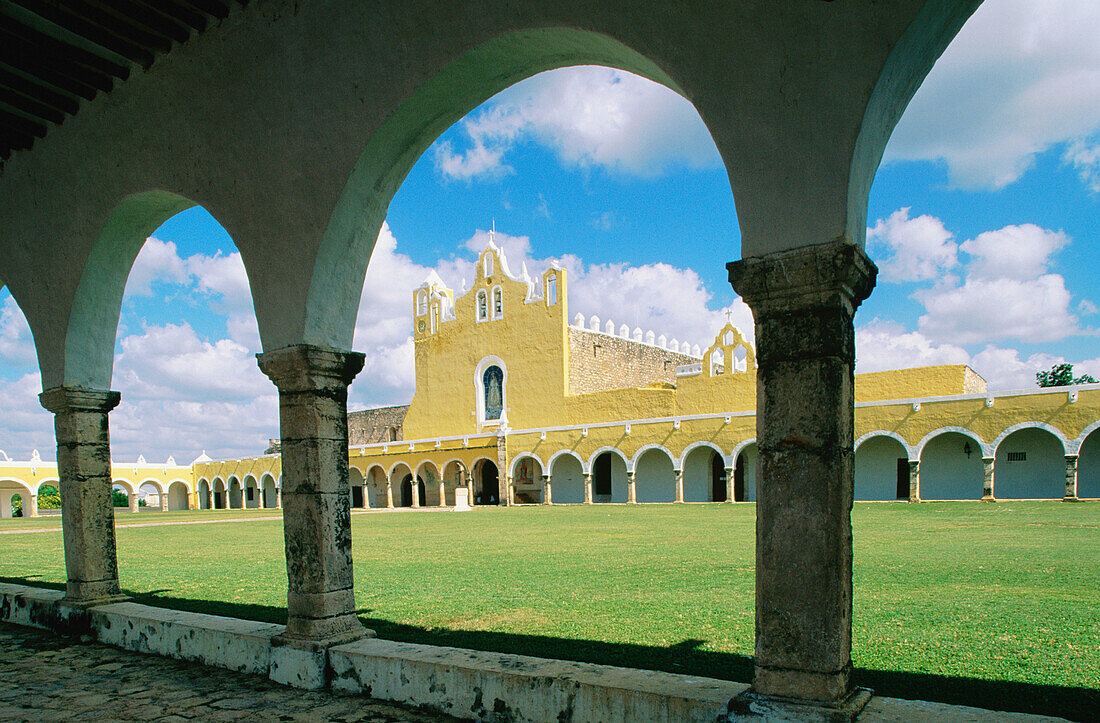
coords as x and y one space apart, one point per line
1071 499
84 603
84 595
752 705
303 662
988 498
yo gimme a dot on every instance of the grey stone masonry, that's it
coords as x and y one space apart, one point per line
313 390
599 362
803 302
87 512
382 424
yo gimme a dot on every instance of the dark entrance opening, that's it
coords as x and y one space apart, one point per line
717 478
420 492
903 478
739 479
219 500
356 496
406 491
601 478
490 485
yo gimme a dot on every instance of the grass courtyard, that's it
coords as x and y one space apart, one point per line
992 605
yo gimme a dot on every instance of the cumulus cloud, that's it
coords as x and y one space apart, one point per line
590 117
1020 77
882 345
1085 158
917 248
158 261
16 343
1012 252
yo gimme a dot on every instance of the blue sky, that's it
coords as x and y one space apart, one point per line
983 220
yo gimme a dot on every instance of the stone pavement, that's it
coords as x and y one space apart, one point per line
47 678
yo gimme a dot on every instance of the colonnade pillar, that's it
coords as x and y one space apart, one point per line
631 490
803 302
313 392
133 501
442 493
914 480
730 479
389 494
547 493
163 501
1071 478
84 472
988 465
510 490
679 485
587 488
414 491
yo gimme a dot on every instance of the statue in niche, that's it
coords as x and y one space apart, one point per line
493 380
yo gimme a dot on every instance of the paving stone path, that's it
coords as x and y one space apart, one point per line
47 678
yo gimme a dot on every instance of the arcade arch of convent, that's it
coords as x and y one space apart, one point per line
294 123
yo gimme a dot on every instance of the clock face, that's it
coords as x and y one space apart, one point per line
420 326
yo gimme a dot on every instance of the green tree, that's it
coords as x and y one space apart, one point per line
120 498
49 498
1061 375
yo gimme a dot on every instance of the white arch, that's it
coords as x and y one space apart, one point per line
123 482
987 451
633 463
1032 425
395 465
522 456
20 483
419 467
186 485
452 460
155 482
479 390
615 450
1074 446
741 447
565 453
214 483
253 478
369 474
51 481
909 449
679 464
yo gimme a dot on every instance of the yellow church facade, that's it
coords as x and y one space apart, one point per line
516 403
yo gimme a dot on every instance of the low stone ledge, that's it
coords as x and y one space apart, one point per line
32 607
240 645
480 685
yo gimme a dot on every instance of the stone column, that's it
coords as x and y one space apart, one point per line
133 500
730 479
587 488
914 480
1071 478
631 490
988 464
32 506
415 491
389 494
442 493
163 501
313 420
679 485
87 513
803 302
510 490
278 498
547 492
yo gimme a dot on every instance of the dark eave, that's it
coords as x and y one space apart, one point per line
55 54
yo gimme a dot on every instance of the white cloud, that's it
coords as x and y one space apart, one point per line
883 345
590 116
1033 310
1013 252
920 248
16 342
1086 159
157 261
1020 77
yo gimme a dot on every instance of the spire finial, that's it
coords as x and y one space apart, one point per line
729 315
493 231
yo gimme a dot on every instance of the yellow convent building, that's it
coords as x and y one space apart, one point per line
517 404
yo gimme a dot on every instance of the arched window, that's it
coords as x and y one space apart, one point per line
493 385
421 303
498 303
487 266
482 306
551 290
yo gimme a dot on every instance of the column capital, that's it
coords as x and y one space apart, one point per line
60 400
830 274
305 367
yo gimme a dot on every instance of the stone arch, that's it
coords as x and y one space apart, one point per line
745 456
157 485
1030 462
1074 445
608 469
395 466
360 498
909 449
204 493
486 483
1087 446
125 484
432 107
235 498
51 481
633 463
947 472
613 450
526 471
566 453
521 456
177 495
881 467
9 488
701 479
654 474
220 493
452 478
428 474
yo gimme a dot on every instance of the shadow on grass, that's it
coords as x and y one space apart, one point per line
684 657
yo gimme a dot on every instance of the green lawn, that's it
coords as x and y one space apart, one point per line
995 605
